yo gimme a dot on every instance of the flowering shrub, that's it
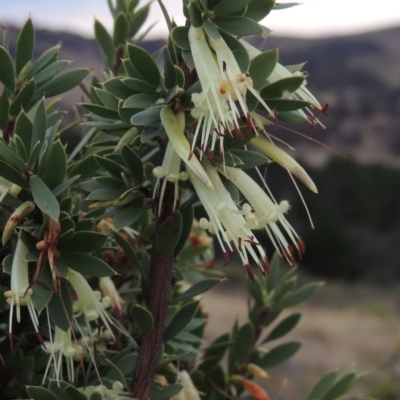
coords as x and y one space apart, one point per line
101 249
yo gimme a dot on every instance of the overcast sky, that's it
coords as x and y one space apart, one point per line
314 18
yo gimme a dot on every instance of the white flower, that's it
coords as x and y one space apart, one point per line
170 171
266 213
226 221
108 288
20 295
217 114
90 303
189 391
61 346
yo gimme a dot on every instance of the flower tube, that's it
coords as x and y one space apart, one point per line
267 214
20 295
227 223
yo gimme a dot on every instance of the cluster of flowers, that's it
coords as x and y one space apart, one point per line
219 110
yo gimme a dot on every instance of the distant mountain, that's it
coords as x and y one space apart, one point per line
358 76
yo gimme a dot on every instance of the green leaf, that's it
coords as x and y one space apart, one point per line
42 290
143 317
259 9
198 288
74 394
62 83
229 6
195 16
44 198
256 291
101 111
22 99
128 214
238 26
180 320
322 387
286 105
85 242
39 125
279 354
111 166
169 234
11 174
4 109
128 249
115 374
60 308
180 37
48 72
55 170
87 265
239 51
121 29
281 87
169 70
141 100
40 393
25 45
7 75
138 85
133 163
144 64
262 66
9 156
342 386
117 87
139 18
108 100
187 223
244 340
299 295
284 327
248 158
46 58
147 117
64 185
104 40
23 128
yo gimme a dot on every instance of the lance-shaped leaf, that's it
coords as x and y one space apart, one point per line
143 318
25 45
198 288
144 64
23 98
104 40
7 75
182 146
272 151
44 198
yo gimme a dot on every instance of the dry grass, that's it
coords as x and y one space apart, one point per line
343 325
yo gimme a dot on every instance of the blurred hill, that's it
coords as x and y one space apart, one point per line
357 213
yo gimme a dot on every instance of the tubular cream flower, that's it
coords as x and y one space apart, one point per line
267 214
284 160
90 303
174 126
61 346
215 114
170 171
189 391
20 295
227 223
108 288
